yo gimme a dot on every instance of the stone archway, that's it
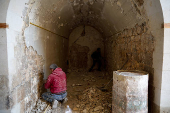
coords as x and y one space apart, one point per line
165 90
15 44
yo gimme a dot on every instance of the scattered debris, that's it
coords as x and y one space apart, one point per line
76 85
41 107
45 107
93 100
68 110
84 96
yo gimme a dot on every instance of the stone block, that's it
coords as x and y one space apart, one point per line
34 97
132 38
78 56
34 89
20 93
28 105
4 92
4 83
130 91
139 30
3 102
16 80
137 38
3 8
22 106
3 51
125 32
140 2
13 96
134 31
145 29
27 87
4 67
129 32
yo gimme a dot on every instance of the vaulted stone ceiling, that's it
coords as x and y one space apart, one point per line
107 16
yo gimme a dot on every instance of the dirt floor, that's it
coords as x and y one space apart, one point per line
84 94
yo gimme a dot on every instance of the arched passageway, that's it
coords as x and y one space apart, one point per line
39 31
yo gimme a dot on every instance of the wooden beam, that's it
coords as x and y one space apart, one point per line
3 25
166 25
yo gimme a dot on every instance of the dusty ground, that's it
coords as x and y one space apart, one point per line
84 94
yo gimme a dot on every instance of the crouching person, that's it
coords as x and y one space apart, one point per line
56 82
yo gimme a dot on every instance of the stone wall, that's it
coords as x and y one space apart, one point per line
4 80
130 92
132 49
78 56
28 81
83 41
4 91
61 17
31 50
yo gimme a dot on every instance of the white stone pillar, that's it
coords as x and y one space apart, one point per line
130 92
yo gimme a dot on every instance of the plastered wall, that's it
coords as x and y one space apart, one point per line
31 50
4 81
83 41
23 42
165 90
145 36
52 47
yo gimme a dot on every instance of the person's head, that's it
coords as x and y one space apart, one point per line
53 67
98 49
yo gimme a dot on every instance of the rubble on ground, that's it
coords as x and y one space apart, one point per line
41 107
93 100
84 95
45 107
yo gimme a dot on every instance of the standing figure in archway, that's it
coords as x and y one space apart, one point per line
56 82
96 56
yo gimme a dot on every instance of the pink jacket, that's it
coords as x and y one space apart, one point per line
56 81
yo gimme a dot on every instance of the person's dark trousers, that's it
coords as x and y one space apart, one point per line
94 63
48 96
